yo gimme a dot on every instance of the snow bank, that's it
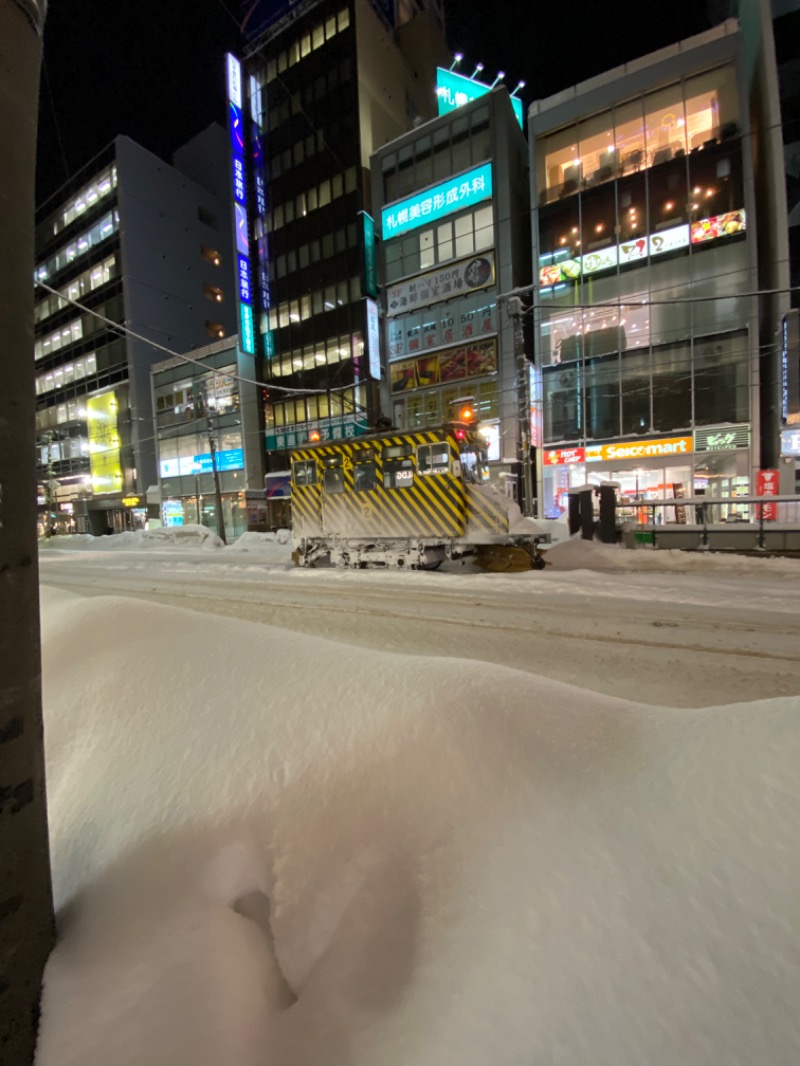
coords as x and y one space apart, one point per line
578 554
270 848
163 537
264 543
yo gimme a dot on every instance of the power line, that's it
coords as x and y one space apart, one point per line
125 331
623 302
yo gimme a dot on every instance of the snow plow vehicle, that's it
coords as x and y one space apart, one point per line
411 499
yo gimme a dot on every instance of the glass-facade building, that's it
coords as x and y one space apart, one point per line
200 423
449 197
648 338
129 242
323 84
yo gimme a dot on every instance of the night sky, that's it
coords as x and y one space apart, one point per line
142 68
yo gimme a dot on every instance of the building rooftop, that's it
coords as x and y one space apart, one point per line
725 29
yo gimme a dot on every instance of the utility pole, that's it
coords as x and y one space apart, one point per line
515 313
26 902
50 487
212 445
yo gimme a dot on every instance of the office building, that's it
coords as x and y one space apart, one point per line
452 201
321 85
209 438
130 240
653 233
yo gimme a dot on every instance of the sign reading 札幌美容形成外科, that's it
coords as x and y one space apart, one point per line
455 194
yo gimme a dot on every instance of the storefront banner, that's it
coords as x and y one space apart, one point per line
605 259
490 432
464 276
329 429
454 322
231 459
718 226
373 339
633 250
638 449
767 482
564 456
553 271
669 240
451 364
722 438
790 442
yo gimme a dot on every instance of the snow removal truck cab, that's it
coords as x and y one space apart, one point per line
406 499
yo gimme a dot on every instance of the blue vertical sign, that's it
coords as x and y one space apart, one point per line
239 188
258 164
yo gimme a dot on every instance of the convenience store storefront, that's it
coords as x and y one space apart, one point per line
713 461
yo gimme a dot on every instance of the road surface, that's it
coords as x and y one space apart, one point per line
682 640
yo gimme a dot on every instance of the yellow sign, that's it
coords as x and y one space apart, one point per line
104 454
130 501
639 449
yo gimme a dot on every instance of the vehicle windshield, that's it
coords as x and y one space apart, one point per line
474 466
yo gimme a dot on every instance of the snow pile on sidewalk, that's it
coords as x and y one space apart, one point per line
161 537
578 554
279 543
270 848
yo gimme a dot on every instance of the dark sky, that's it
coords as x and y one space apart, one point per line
152 69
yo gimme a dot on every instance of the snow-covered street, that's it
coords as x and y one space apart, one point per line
323 818
664 628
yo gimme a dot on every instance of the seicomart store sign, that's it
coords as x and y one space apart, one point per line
633 449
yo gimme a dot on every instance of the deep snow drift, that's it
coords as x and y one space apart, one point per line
274 849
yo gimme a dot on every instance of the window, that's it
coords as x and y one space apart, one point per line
365 472
398 466
304 472
433 458
333 475
473 466
398 473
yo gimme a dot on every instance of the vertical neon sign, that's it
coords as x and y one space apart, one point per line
261 233
247 335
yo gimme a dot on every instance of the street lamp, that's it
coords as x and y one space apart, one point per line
500 75
456 60
476 71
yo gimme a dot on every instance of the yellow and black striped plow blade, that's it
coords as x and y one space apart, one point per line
507 558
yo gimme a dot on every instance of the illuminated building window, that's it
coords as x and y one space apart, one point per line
85 283
87 198
99 232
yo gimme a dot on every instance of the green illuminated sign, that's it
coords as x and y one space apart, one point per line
369 278
247 333
454 90
443 199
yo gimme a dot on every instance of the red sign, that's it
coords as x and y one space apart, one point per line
767 485
562 456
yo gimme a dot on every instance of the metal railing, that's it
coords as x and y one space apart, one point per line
727 522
